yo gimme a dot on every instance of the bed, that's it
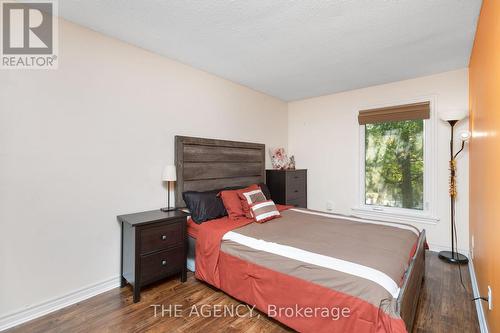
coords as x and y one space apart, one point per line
355 275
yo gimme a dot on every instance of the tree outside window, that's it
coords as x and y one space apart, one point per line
394 164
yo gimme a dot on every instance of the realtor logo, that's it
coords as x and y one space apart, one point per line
29 35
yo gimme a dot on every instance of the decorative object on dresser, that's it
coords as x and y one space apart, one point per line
288 187
153 247
280 160
169 176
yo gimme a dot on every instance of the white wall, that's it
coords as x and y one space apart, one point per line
323 134
84 143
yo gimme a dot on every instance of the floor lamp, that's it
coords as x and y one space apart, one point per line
453 256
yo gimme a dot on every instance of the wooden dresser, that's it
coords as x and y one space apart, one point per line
154 246
288 187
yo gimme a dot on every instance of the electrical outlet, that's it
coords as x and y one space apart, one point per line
490 299
329 205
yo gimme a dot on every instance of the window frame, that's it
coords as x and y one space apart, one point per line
428 214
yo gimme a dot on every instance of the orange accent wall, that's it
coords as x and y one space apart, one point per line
484 89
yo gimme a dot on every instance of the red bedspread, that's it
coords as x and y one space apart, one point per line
192 228
208 247
263 287
208 238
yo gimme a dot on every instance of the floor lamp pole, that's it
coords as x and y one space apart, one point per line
453 256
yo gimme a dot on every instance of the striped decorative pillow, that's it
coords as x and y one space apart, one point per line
255 196
264 211
250 197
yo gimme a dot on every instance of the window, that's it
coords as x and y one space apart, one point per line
394 164
396 169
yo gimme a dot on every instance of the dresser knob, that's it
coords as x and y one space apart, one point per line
163 262
296 191
163 237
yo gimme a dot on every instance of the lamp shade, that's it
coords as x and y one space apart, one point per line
169 174
453 114
465 136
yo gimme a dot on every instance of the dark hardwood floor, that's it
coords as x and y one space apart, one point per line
444 306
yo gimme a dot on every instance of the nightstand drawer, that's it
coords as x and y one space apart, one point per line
162 237
157 265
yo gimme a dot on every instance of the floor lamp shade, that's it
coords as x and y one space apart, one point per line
453 114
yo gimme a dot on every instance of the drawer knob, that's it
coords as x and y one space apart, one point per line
296 191
163 237
163 262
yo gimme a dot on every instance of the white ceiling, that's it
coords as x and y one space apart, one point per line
294 49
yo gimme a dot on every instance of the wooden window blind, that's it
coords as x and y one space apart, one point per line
414 111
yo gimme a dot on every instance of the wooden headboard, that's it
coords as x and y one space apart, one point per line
209 164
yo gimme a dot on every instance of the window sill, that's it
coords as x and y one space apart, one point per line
391 216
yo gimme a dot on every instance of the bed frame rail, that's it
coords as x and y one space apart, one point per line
408 298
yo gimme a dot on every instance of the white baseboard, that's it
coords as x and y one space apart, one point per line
439 248
32 312
483 325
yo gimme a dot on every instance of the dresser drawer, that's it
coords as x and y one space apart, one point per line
296 176
162 237
298 202
157 265
296 185
295 190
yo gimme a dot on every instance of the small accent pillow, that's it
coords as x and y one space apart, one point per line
233 203
249 197
264 211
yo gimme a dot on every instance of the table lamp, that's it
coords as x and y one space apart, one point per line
169 176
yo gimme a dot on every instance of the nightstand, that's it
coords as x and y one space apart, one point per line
288 187
154 246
